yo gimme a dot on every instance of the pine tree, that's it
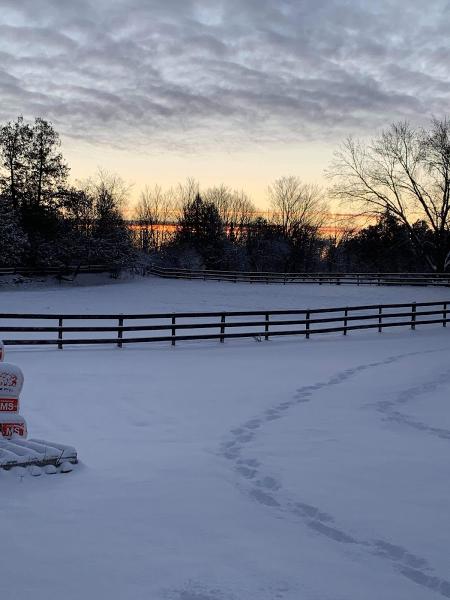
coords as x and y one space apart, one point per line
13 240
200 228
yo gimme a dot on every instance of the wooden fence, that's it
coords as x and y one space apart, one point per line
416 279
421 279
55 270
176 327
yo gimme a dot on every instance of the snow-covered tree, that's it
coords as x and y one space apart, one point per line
13 240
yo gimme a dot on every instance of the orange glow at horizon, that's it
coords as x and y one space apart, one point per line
252 170
328 229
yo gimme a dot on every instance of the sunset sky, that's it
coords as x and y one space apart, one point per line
234 91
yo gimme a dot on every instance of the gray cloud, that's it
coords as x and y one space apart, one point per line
190 73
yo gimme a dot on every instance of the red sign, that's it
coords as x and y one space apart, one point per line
9 404
10 429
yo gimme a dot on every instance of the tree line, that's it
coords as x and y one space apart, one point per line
45 220
399 181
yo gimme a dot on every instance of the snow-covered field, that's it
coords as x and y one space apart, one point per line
288 469
143 295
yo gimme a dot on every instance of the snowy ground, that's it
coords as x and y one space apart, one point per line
152 294
288 469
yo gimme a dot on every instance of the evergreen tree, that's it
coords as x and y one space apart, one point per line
386 247
13 240
47 170
200 228
14 144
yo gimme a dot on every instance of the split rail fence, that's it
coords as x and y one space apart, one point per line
121 329
420 279
416 279
58 270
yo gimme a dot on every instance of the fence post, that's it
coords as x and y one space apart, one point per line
380 318
444 315
60 334
222 328
345 321
266 327
307 324
413 316
173 330
120 332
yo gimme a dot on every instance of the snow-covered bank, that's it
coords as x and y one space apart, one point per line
289 469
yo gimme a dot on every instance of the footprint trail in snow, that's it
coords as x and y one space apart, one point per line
267 491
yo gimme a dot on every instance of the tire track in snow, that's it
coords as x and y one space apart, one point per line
267 491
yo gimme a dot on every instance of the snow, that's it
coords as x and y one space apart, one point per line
151 294
288 469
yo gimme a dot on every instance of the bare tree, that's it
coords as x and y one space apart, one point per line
222 197
296 204
154 212
339 230
103 200
110 189
187 192
235 208
243 213
405 172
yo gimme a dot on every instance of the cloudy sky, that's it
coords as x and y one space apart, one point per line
233 91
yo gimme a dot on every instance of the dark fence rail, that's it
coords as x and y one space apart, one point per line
220 325
55 270
421 279
416 279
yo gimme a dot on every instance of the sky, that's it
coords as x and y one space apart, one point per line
238 92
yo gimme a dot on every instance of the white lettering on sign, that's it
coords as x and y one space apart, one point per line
10 429
8 405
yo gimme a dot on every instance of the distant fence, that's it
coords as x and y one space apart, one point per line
416 279
55 270
177 327
420 279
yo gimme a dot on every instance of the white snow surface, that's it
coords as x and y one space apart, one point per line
151 294
288 469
